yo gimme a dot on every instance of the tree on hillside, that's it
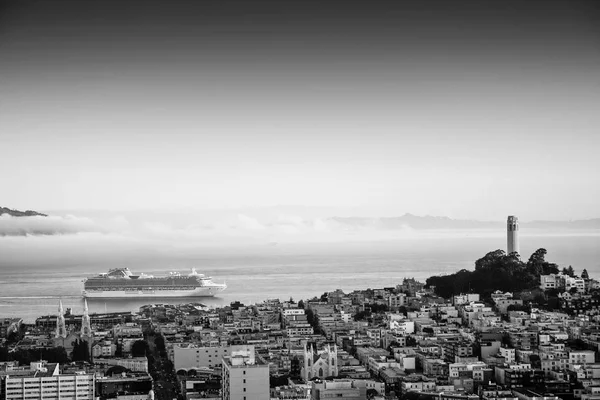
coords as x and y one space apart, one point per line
278 380
584 274
539 266
119 350
13 337
140 348
55 355
495 271
362 315
4 353
81 351
159 342
378 308
295 370
490 260
519 307
568 271
393 344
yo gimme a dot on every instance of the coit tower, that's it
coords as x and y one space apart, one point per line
512 234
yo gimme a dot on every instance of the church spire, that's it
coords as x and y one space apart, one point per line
61 329
86 329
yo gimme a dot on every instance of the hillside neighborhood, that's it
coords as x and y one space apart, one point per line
403 341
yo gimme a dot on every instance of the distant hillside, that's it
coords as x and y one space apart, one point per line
17 213
417 222
577 224
430 222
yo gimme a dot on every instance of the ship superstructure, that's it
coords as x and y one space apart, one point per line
121 282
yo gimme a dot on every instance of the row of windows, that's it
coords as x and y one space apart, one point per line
216 351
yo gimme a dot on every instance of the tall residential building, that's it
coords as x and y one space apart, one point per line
245 377
44 381
512 234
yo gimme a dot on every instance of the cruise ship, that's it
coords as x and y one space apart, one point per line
120 283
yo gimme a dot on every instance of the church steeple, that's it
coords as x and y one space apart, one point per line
61 329
86 329
333 367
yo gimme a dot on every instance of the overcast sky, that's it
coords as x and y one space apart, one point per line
467 109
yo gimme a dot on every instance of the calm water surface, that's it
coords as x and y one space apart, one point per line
36 272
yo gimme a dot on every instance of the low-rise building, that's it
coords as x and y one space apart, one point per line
338 388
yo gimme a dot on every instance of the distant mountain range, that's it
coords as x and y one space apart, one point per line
17 213
431 222
406 221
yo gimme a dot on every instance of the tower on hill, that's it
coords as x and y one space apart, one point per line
512 234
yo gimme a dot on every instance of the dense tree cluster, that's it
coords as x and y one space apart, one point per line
311 318
81 351
159 345
278 380
26 356
140 348
370 309
585 275
362 315
377 308
295 369
495 271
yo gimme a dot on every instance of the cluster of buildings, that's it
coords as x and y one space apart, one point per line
394 342
105 339
574 294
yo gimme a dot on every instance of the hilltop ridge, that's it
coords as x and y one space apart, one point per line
437 222
17 213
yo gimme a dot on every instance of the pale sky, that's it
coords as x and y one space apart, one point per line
466 112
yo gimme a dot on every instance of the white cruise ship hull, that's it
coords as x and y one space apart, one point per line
206 291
